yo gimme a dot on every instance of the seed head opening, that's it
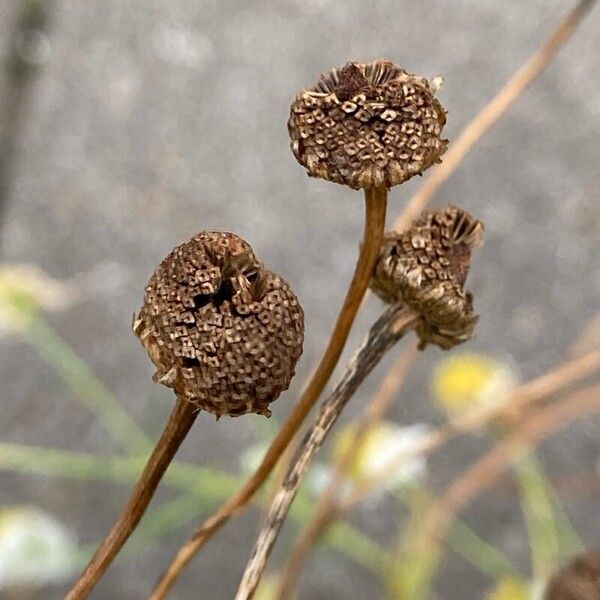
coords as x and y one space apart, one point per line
367 125
224 332
426 268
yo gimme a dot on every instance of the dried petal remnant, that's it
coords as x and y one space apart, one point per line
426 268
367 125
223 332
578 581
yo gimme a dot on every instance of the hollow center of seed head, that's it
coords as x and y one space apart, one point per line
238 273
351 80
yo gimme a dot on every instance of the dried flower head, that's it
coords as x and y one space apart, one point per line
426 267
223 332
367 125
578 581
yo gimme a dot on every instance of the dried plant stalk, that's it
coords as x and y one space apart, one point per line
225 334
330 509
375 209
492 112
524 396
325 511
487 469
388 329
180 421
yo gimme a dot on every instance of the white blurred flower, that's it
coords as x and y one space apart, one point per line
35 549
381 445
469 380
537 589
25 289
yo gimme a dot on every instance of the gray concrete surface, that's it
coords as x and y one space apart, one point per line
152 120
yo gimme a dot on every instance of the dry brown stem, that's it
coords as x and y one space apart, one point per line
524 396
491 113
325 509
486 470
375 208
181 419
387 330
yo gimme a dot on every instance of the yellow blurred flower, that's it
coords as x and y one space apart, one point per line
509 589
25 289
468 380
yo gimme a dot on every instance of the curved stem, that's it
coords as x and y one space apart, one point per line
375 207
492 112
325 509
387 330
181 419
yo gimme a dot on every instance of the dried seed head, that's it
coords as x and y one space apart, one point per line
426 267
223 332
367 125
578 581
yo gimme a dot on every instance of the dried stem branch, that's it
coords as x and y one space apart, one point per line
491 113
180 421
329 509
388 329
325 509
375 208
487 469
525 395
470 135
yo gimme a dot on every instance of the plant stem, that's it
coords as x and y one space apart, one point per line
88 388
492 112
387 330
325 509
375 208
181 419
206 486
485 471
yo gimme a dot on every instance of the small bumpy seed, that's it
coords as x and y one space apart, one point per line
367 125
426 268
223 332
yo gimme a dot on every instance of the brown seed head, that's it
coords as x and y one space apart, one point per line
223 332
367 125
426 267
578 581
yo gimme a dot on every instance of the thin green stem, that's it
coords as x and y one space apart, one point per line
204 488
547 525
87 387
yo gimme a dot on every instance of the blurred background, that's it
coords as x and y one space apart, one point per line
126 127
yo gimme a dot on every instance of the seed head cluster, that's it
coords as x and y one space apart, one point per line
223 332
367 125
426 268
578 581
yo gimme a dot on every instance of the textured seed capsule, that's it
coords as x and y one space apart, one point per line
367 125
223 332
578 581
426 268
